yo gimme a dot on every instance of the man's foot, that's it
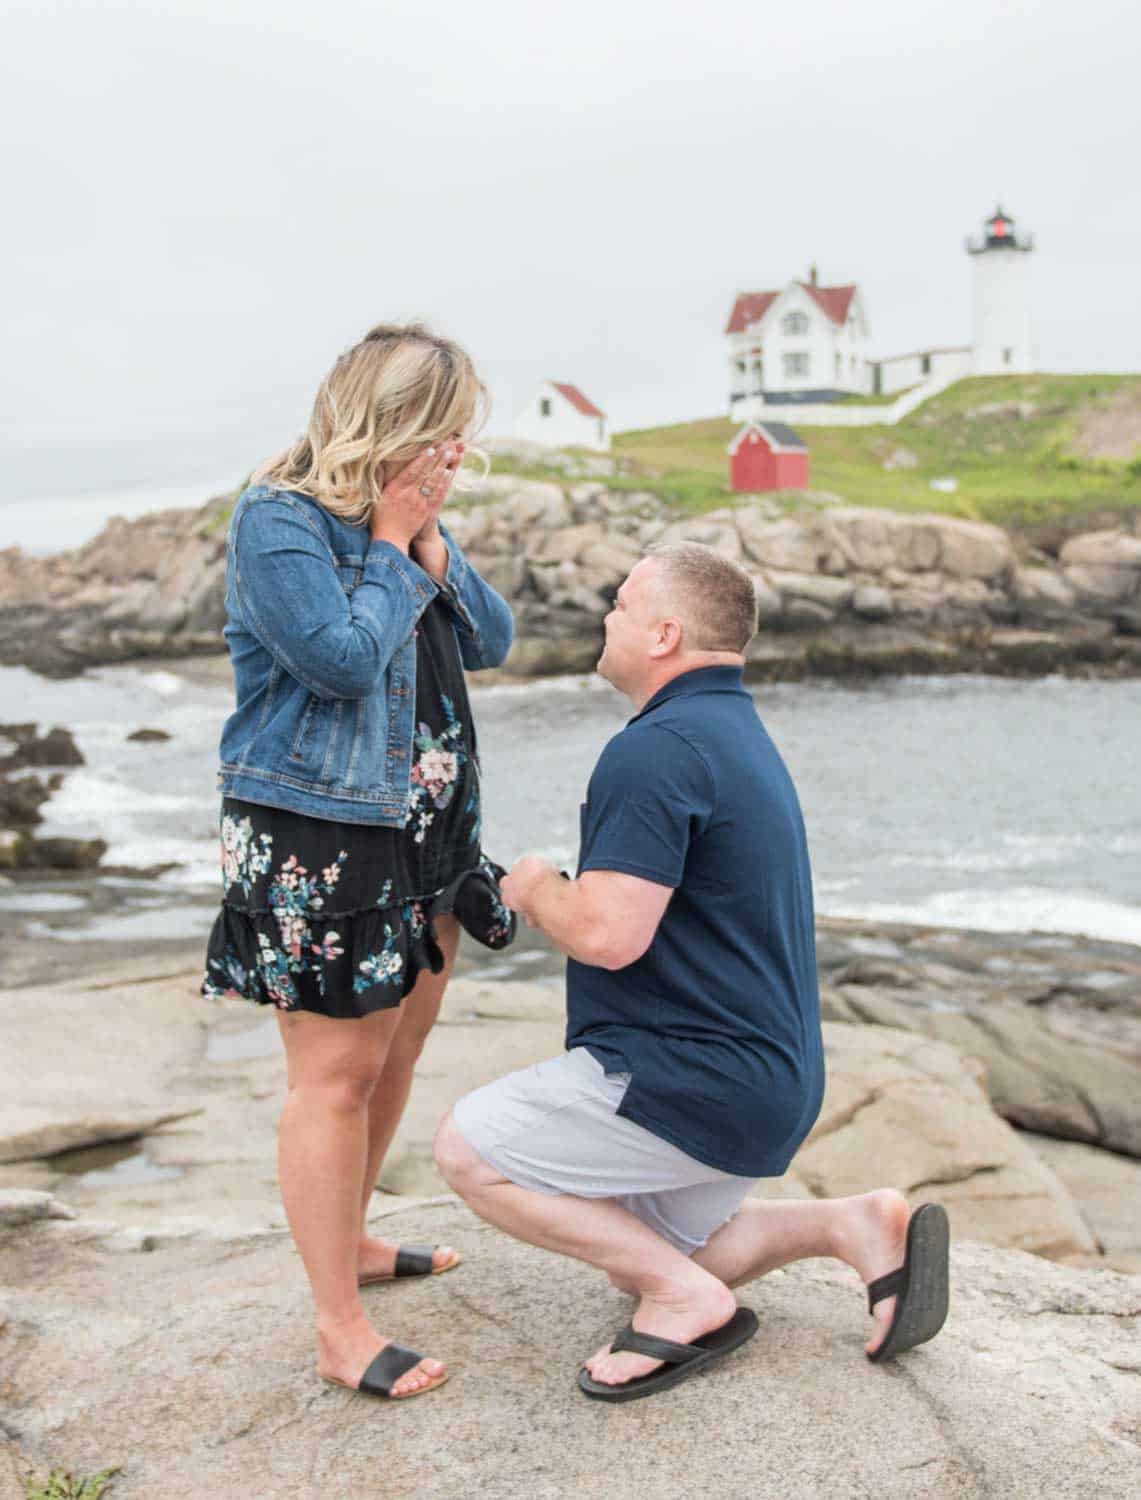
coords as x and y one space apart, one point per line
346 1352
871 1237
702 1305
376 1258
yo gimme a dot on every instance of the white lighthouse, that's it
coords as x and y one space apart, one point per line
1004 338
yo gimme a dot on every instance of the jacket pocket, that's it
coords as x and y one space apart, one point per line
301 751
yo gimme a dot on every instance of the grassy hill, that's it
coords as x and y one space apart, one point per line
1022 448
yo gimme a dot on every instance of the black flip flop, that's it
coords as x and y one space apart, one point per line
681 1360
413 1260
393 1361
921 1284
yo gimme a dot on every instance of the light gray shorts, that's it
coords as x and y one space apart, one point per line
554 1128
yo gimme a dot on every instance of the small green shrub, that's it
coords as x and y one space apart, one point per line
59 1485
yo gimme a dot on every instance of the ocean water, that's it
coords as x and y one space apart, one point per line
961 801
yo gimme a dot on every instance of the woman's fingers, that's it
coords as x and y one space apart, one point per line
431 470
419 470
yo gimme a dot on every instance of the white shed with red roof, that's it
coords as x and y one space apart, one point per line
560 416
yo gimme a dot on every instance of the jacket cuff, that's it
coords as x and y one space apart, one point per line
456 574
420 584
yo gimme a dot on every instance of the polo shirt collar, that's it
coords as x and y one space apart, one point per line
700 680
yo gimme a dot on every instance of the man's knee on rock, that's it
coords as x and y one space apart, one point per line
454 1157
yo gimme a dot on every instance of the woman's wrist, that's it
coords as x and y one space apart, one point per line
429 549
394 539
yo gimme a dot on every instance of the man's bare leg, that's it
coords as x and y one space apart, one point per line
868 1233
679 1299
418 1012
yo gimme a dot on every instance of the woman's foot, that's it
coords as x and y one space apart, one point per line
376 1259
871 1236
347 1350
680 1315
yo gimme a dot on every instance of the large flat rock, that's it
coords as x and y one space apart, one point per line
1055 1021
901 1110
1107 1191
192 1367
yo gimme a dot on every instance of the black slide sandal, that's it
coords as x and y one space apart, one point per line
921 1284
413 1260
682 1360
393 1361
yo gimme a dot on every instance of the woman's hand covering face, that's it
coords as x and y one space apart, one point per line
411 501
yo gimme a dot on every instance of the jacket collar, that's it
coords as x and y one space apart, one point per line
699 680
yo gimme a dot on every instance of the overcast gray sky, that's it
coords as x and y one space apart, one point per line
207 201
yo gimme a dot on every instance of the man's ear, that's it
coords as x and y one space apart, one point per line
668 639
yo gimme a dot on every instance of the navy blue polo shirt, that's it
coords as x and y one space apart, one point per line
718 1023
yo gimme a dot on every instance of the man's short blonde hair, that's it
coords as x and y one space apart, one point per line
713 597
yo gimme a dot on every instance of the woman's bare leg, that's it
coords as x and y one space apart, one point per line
418 1013
333 1067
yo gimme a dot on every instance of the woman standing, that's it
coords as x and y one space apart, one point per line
350 782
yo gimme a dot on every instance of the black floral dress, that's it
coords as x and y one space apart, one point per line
339 918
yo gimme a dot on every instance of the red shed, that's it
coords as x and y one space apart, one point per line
767 456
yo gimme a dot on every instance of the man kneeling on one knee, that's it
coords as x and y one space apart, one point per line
694 1063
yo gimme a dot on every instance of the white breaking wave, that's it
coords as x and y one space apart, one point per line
1020 909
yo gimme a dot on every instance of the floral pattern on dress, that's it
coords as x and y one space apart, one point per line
244 858
500 930
387 966
232 975
384 967
472 811
435 771
275 969
295 896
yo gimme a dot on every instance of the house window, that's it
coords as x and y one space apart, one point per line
544 406
1007 356
796 364
794 323
925 365
838 359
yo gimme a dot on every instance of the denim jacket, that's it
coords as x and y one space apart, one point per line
319 623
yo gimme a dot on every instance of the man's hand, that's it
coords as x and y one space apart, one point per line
524 876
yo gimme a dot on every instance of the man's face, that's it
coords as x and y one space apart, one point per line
631 629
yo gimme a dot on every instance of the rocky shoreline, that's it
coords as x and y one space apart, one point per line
157 1319
844 591
24 752
1036 1031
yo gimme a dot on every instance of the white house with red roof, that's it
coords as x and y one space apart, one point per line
560 416
805 342
808 344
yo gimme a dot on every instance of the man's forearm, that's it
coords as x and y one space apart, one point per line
563 910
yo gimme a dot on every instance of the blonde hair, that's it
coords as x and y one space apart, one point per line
386 399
